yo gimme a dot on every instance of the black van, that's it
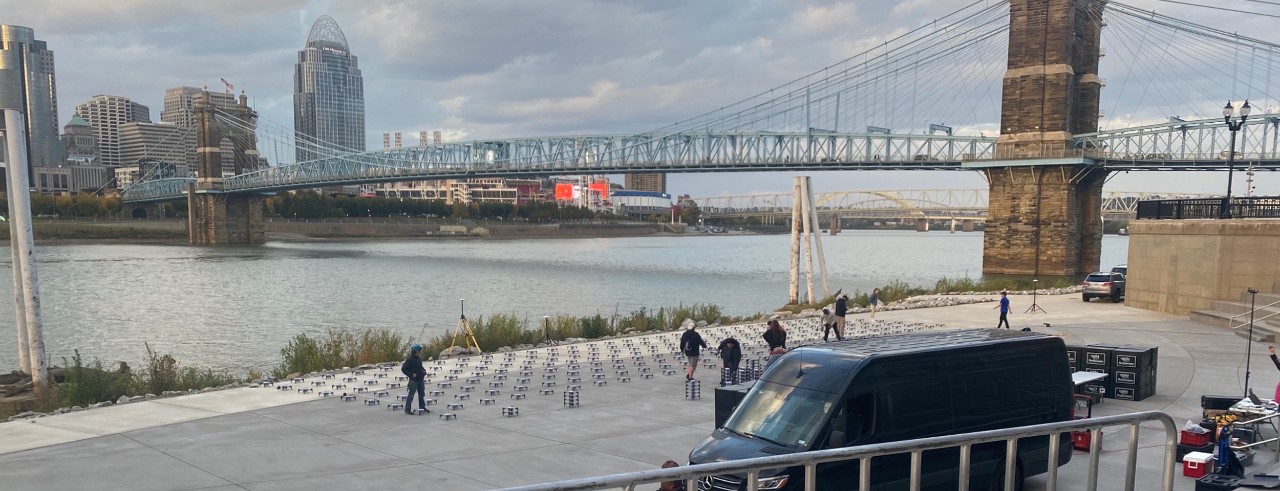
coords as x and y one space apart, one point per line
900 387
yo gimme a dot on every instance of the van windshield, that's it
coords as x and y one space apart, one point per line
781 414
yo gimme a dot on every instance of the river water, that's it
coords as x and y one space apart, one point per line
235 307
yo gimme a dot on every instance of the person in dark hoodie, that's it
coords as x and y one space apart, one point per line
776 335
731 354
413 369
691 344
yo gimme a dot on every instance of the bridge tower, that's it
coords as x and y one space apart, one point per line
1045 199
214 216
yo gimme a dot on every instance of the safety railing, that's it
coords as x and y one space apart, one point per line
1239 321
1181 209
750 468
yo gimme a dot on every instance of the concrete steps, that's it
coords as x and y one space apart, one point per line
1220 313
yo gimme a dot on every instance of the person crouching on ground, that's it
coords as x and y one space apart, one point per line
414 370
828 323
776 335
691 344
731 354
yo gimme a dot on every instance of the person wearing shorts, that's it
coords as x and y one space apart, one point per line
691 344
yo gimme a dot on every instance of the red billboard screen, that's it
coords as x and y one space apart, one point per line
564 191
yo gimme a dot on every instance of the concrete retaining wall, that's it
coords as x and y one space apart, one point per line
1177 266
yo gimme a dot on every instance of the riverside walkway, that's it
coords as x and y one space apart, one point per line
265 438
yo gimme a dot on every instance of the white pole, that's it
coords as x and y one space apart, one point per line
808 232
20 213
20 312
794 293
817 238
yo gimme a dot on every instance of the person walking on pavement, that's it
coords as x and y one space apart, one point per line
874 302
776 336
842 309
828 323
731 355
1004 310
413 369
691 344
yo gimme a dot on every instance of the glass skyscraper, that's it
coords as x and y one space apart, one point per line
27 83
328 94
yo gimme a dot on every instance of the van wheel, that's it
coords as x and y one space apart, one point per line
997 479
1084 297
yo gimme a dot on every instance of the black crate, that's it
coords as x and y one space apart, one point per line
1102 388
727 399
1183 450
1133 393
1217 482
1219 402
1097 356
1134 384
1073 357
1132 356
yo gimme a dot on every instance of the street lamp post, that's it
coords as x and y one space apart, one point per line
1234 127
1253 293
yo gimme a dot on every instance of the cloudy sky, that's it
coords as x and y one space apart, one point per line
482 69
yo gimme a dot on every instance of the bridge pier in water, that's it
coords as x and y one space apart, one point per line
1045 198
214 216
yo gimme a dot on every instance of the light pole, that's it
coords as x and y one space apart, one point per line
546 322
1234 127
1253 299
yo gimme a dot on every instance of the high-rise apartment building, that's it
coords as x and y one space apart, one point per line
655 182
328 93
105 114
27 83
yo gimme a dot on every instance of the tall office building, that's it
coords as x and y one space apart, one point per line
105 114
179 104
652 182
82 145
179 109
27 83
328 93
154 146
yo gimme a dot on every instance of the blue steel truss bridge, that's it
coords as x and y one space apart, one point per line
927 204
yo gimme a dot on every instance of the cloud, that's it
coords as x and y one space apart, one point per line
511 68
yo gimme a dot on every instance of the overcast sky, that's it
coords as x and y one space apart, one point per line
480 69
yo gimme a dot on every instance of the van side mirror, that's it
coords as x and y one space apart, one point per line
836 440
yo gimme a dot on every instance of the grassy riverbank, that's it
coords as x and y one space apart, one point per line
90 382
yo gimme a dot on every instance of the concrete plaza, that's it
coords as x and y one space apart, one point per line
265 438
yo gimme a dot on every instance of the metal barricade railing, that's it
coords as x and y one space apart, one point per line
1269 419
809 460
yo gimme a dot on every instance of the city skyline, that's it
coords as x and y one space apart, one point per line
545 69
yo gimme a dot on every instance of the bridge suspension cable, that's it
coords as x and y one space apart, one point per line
1174 68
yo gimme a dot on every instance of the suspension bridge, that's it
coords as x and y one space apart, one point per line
925 100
